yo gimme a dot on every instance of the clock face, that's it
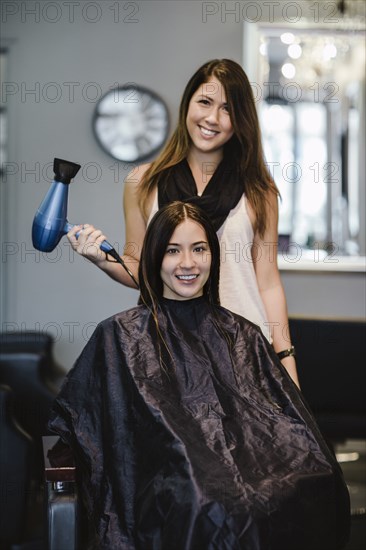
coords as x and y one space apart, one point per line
131 123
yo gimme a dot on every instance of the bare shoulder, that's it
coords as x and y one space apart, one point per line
133 179
136 216
272 202
131 191
271 211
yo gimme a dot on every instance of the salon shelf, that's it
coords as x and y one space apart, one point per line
313 261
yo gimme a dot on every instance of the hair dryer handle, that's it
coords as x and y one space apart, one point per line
108 249
105 245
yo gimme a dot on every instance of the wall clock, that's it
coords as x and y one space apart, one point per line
131 123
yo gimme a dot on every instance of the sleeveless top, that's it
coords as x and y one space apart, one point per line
238 283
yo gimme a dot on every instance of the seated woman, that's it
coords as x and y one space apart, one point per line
188 432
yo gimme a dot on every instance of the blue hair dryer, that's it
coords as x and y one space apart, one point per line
50 222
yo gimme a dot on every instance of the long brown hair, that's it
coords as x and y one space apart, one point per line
156 240
245 145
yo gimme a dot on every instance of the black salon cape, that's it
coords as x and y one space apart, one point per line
221 454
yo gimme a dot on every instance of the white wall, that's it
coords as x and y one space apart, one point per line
60 292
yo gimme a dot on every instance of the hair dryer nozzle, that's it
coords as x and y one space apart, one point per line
65 170
50 222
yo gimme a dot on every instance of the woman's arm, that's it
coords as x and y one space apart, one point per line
270 286
88 242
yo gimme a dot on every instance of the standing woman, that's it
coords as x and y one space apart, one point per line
215 160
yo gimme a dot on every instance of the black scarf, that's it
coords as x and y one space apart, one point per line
221 194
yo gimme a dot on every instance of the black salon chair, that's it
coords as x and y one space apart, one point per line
30 379
330 358
16 454
28 367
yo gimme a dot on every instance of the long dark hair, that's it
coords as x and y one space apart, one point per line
157 237
245 146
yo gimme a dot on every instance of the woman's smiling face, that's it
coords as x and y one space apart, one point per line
208 118
187 262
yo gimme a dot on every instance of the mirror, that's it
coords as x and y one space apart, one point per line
309 84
